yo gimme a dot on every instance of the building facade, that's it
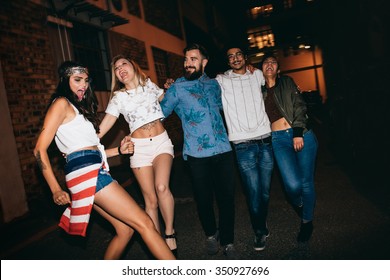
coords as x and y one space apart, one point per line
289 30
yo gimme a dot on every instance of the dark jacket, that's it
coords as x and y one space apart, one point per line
291 104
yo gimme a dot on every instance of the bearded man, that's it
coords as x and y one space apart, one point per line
196 99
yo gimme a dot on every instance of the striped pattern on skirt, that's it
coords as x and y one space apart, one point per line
82 185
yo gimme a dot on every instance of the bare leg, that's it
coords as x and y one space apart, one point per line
162 169
145 178
123 235
115 201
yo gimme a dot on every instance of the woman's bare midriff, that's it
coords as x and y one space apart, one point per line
88 148
280 124
151 129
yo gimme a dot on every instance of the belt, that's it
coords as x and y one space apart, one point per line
263 140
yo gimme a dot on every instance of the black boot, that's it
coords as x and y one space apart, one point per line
305 231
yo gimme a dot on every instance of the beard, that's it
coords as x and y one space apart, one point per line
191 76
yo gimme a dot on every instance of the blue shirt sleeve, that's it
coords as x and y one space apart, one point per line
169 101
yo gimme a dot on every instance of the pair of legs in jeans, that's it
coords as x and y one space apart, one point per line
255 162
297 169
214 176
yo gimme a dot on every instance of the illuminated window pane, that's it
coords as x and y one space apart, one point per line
261 11
261 39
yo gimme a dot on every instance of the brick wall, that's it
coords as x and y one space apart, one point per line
30 79
163 14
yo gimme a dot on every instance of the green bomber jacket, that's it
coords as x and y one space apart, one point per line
291 104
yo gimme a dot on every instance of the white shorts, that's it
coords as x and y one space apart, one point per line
147 149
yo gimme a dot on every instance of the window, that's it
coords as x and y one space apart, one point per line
90 48
167 65
261 39
261 11
160 63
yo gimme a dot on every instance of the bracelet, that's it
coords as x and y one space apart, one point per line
119 150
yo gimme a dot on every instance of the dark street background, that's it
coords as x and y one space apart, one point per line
352 219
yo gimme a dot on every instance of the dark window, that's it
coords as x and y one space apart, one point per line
160 63
133 8
90 48
163 14
167 65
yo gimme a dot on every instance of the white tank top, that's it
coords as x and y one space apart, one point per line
76 134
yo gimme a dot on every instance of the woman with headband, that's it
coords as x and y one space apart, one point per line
73 122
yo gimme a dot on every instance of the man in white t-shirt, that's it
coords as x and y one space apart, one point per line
249 130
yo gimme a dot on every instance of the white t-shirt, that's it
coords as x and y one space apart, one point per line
243 105
138 106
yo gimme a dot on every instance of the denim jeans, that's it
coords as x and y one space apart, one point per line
297 168
255 162
214 176
84 158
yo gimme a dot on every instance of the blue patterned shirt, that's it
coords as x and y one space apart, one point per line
198 104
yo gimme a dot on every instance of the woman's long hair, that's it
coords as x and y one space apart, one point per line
86 106
116 84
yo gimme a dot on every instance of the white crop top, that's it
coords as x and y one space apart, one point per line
76 134
138 106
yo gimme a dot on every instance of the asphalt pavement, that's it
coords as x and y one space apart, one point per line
352 221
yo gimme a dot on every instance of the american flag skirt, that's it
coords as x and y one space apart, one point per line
81 174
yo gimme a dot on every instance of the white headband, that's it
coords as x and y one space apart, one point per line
76 70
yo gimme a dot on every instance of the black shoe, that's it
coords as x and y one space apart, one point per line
172 236
212 244
230 252
260 239
305 232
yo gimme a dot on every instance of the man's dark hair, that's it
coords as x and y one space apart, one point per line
195 46
233 46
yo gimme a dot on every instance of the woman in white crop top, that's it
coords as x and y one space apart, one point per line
137 98
72 120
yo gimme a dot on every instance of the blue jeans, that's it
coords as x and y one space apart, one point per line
297 168
255 162
214 176
83 158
